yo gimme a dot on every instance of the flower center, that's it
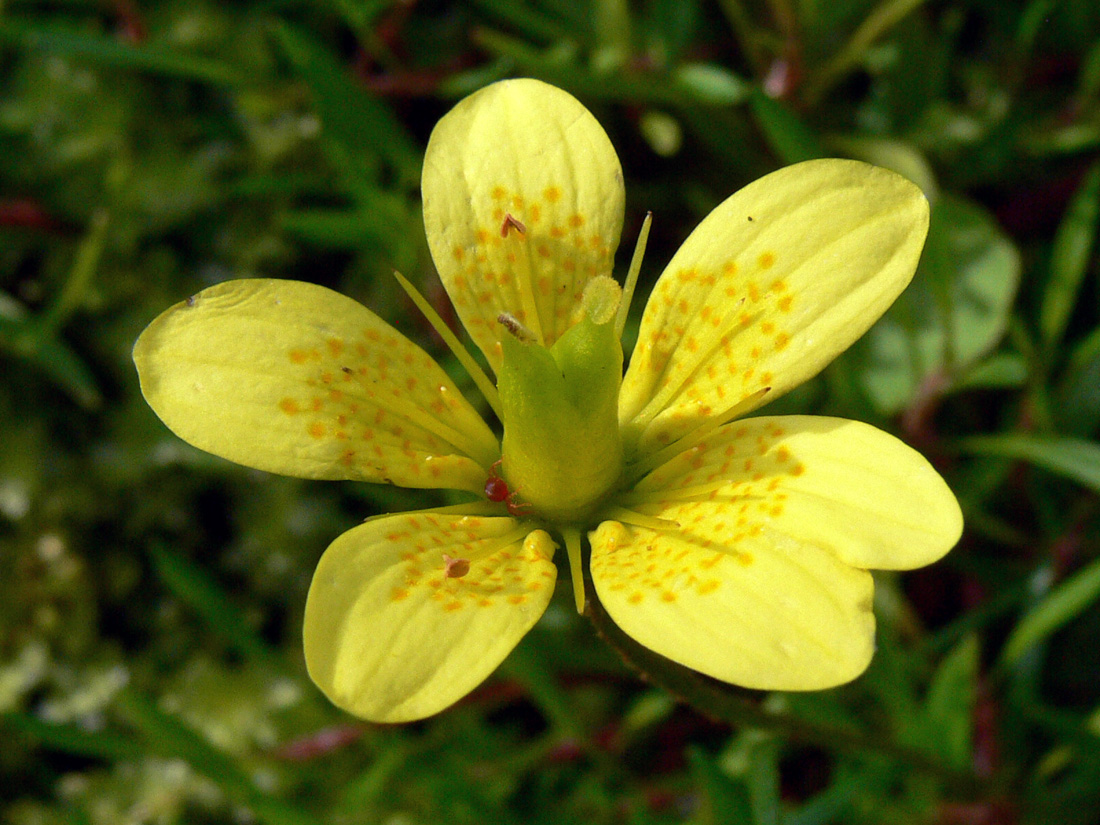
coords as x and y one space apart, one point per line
562 452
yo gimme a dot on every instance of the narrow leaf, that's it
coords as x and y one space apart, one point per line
1070 257
107 52
358 126
790 139
1064 603
1073 458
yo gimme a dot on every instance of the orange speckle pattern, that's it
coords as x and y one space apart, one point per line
728 495
524 243
454 564
729 318
381 409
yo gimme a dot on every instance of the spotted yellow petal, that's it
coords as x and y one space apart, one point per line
765 612
297 379
841 486
523 205
772 285
409 613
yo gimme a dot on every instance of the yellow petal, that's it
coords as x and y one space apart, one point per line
523 205
297 379
390 636
765 612
842 486
772 285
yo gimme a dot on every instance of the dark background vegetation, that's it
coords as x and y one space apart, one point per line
151 596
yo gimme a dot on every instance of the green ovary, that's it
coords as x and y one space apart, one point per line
562 451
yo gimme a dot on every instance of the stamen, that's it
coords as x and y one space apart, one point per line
652 461
696 492
482 453
475 509
639 519
632 275
511 323
572 538
601 299
488 391
686 374
512 223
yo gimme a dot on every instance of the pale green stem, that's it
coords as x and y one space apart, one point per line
874 26
632 275
475 372
572 538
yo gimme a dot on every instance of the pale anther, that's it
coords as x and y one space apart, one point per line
511 323
511 222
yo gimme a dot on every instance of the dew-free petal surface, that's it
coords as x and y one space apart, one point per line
523 205
390 637
776 282
293 378
839 485
768 613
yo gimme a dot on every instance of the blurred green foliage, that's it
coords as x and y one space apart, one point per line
151 596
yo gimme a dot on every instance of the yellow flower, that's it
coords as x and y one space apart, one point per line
739 548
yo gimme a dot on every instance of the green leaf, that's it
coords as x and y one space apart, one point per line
789 138
710 83
955 311
358 127
195 588
167 736
1073 458
1078 407
1000 371
351 229
54 357
948 709
1064 603
722 799
108 52
1069 259
73 739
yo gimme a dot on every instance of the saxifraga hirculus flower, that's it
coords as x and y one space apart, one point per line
738 547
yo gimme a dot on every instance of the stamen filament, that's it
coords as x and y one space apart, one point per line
647 463
662 398
488 390
477 509
485 454
632 275
627 516
525 282
664 495
572 538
